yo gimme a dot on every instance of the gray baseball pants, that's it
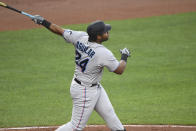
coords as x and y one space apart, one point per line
85 100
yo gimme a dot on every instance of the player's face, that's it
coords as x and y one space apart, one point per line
105 36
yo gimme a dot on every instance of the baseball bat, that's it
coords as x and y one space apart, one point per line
16 10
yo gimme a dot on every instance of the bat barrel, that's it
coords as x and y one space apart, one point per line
9 7
3 4
14 9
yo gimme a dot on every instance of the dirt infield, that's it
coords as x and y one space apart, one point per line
64 12
104 128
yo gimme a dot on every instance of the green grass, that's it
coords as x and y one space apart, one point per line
158 86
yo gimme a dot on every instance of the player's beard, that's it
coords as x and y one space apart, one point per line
105 39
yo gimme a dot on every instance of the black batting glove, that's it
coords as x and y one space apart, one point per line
125 53
41 21
38 19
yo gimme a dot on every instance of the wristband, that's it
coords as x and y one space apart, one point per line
124 57
46 24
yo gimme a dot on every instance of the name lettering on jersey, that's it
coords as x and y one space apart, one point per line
85 49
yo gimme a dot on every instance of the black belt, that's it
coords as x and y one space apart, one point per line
79 82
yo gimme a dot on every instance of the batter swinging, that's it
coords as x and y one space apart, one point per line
90 57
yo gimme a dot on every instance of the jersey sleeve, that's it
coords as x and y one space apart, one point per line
108 60
72 36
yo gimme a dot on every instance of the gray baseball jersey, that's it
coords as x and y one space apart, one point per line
90 58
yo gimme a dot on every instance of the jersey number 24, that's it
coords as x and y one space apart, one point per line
81 63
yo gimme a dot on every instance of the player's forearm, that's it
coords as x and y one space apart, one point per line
50 26
123 62
56 29
121 67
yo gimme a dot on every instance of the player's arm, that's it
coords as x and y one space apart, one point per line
125 53
50 26
121 67
56 29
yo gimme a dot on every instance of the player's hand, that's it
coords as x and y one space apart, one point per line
38 19
125 51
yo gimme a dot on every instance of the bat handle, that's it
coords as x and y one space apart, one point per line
24 13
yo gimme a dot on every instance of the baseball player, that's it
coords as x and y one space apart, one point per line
90 59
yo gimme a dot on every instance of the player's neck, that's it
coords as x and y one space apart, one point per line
99 42
96 41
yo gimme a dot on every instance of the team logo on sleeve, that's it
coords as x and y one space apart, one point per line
69 31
